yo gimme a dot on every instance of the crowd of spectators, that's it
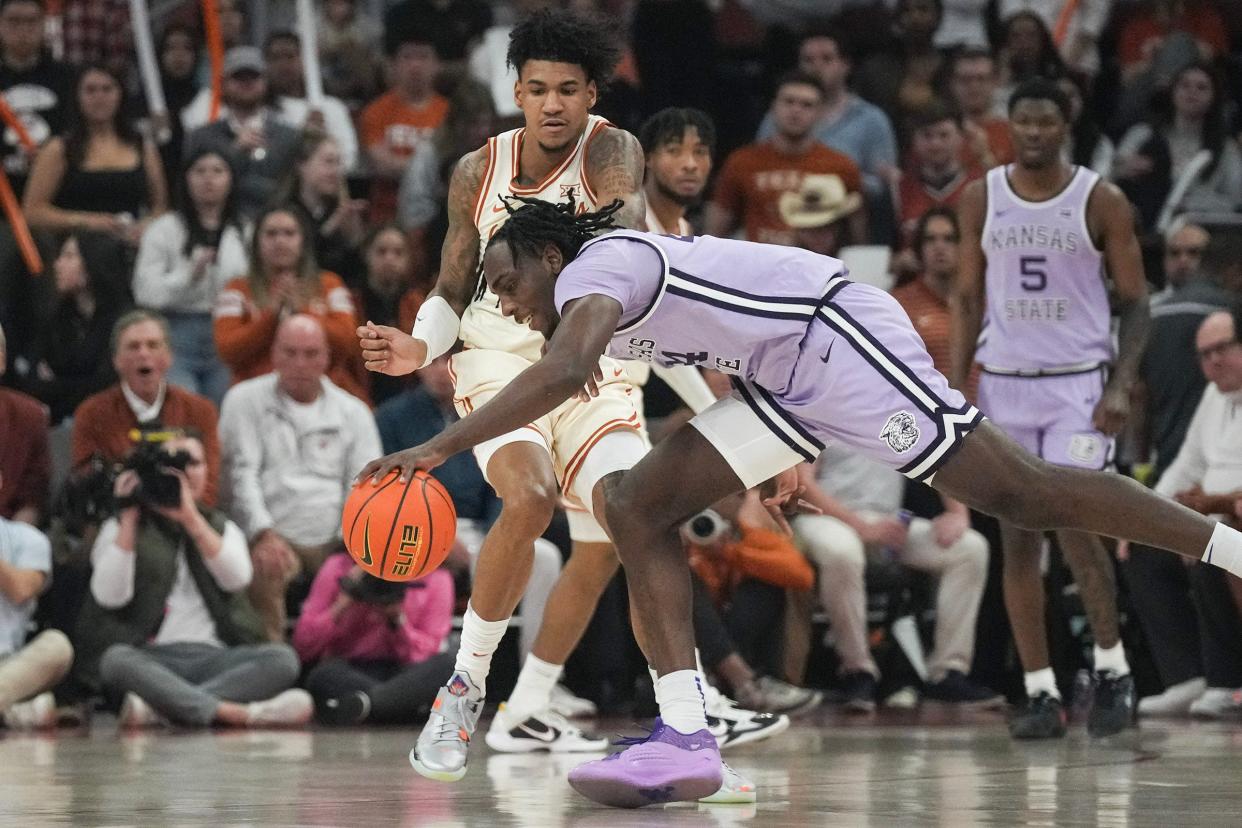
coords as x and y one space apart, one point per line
204 270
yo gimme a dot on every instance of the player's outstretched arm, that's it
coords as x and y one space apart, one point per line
615 166
571 358
1124 260
966 293
395 352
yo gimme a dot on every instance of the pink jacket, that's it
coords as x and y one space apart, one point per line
361 632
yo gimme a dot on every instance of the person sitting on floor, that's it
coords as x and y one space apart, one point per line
375 646
28 671
167 626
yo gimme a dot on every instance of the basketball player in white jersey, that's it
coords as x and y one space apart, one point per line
562 153
1039 239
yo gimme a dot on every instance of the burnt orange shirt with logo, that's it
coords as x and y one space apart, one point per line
389 122
755 177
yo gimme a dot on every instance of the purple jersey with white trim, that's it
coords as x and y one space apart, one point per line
1047 305
741 308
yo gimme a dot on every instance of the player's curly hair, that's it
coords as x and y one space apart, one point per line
534 224
562 36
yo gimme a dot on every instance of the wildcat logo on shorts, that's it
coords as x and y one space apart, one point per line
900 432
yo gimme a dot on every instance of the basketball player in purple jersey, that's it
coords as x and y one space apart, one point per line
814 357
1039 238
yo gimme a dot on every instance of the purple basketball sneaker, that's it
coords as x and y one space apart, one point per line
667 766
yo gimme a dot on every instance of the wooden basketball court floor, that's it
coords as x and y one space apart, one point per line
896 769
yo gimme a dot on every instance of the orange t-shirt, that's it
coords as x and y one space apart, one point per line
755 177
929 314
245 332
1000 144
917 198
390 122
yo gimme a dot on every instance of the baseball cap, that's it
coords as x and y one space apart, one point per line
243 59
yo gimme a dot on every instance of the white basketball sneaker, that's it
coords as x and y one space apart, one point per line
546 731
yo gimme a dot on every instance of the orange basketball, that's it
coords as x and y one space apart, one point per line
399 531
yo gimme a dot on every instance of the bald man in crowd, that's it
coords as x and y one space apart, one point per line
292 442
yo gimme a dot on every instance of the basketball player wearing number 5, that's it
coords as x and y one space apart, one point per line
1039 238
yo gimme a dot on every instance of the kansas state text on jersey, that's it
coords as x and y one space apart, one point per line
1047 305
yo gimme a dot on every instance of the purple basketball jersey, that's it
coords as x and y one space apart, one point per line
737 307
815 358
1047 306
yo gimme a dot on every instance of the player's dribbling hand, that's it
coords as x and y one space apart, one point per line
426 456
390 351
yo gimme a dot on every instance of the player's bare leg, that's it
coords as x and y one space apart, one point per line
525 721
645 508
571 604
522 476
1092 568
1024 595
1042 715
993 474
1113 698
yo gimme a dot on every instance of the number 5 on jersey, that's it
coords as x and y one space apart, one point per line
1034 272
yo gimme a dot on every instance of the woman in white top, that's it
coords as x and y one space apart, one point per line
185 258
1183 159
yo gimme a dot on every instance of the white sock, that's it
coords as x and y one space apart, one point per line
1225 549
1113 659
655 677
1041 681
479 640
680 695
533 691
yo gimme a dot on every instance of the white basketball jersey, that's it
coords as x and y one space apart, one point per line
483 325
1047 305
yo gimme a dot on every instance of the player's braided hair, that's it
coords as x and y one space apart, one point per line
533 224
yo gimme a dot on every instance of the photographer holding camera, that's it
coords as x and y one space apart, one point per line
378 644
167 625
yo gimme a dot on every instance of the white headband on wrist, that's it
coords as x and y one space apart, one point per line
437 325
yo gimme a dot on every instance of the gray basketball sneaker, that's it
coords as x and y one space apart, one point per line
440 752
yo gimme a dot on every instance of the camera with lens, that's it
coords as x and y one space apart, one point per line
368 589
88 497
706 528
158 485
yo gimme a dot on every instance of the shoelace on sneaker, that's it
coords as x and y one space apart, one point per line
629 741
447 730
